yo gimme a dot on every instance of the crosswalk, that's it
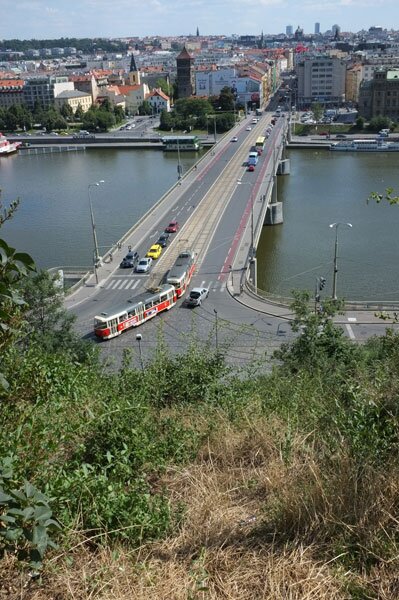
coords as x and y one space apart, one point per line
131 283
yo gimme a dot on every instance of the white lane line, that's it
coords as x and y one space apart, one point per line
223 287
202 283
350 331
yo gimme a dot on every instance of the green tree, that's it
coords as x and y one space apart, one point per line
360 122
119 114
377 123
50 325
145 108
67 111
226 99
164 86
14 267
317 110
79 113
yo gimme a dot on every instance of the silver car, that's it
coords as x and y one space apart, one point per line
196 296
144 265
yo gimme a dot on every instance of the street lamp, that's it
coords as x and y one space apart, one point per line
239 182
93 227
336 225
138 338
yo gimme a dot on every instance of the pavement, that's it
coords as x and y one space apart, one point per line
239 271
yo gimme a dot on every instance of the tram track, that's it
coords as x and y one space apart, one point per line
197 232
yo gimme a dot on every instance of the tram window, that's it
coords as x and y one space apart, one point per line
164 297
122 318
132 312
148 305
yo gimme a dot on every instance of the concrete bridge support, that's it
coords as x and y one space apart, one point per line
274 214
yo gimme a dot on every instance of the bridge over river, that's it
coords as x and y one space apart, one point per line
218 192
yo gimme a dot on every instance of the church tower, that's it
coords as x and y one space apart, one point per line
185 74
134 73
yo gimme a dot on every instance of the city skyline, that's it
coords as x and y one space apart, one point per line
51 19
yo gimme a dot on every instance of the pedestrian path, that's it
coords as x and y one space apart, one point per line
119 282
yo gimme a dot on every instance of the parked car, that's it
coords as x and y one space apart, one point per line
196 296
154 252
172 227
130 260
144 265
340 136
163 240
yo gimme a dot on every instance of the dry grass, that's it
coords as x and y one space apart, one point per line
229 545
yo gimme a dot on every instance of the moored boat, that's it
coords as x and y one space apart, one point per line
7 147
366 145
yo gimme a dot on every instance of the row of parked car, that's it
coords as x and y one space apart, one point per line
132 259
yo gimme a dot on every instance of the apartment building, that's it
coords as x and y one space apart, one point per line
321 79
380 96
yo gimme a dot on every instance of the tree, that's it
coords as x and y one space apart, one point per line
145 108
50 324
119 114
377 123
163 85
14 266
67 111
79 113
226 99
317 110
360 121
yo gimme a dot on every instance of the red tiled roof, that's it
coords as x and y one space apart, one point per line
11 82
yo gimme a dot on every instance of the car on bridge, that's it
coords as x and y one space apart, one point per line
130 260
234 139
172 227
144 265
251 168
154 252
163 240
196 296
249 128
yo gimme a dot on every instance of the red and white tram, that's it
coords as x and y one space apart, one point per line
135 311
182 271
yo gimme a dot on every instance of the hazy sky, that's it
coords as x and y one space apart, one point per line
27 19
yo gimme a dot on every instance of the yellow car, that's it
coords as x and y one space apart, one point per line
154 251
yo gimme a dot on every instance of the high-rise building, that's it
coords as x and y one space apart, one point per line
336 30
289 30
321 79
317 28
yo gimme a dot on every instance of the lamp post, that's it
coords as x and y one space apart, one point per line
336 225
138 338
93 227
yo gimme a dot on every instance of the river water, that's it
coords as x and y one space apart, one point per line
53 220
325 188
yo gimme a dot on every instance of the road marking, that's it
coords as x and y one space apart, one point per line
352 319
350 331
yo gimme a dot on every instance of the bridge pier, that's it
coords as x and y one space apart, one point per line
274 214
284 167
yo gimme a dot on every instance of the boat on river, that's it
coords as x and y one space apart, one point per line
365 145
7 147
